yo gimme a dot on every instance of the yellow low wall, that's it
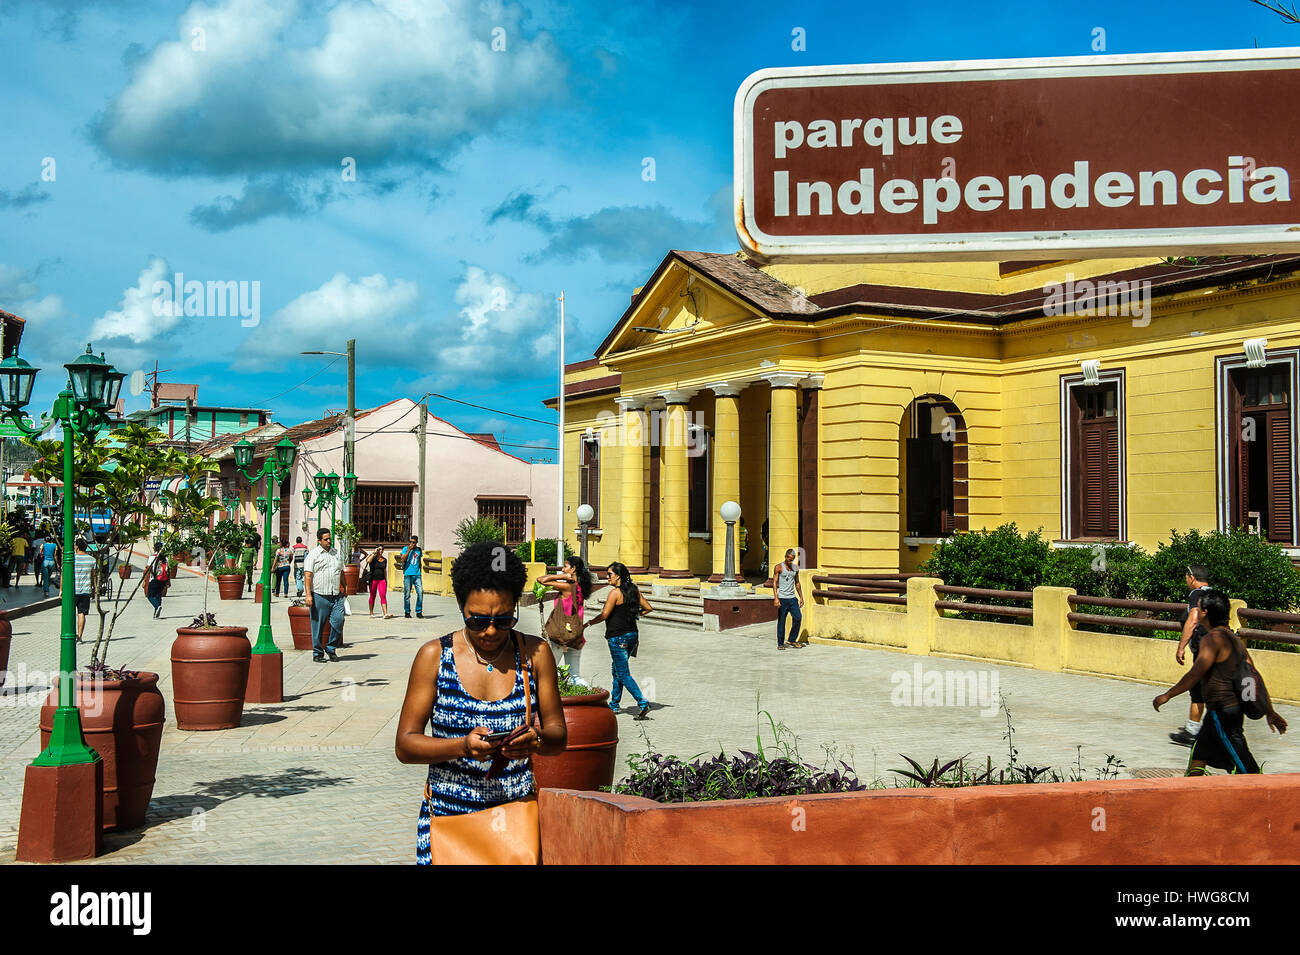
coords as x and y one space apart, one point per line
1050 643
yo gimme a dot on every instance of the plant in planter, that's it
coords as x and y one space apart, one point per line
351 575
6 553
227 541
588 758
209 674
300 624
122 710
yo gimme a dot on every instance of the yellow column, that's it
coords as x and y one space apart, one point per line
726 469
783 498
631 547
674 513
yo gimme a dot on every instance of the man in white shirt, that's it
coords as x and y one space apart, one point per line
321 571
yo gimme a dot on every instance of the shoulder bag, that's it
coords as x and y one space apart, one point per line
564 628
508 834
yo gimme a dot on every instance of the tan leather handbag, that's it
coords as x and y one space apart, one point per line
508 834
564 628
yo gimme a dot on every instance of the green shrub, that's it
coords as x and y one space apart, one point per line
475 530
1241 564
1101 571
1000 559
545 550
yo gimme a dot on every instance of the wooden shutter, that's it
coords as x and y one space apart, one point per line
1277 426
947 520
920 478
1099 490
593 480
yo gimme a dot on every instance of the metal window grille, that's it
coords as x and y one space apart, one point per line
383 514
510 513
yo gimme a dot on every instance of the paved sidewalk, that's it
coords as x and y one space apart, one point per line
314 779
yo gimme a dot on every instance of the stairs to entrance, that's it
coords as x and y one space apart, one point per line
681 607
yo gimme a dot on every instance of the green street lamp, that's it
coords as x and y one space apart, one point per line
265 681
80 409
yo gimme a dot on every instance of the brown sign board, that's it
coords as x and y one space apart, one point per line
1067 157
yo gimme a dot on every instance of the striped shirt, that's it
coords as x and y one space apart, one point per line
83 564
460 785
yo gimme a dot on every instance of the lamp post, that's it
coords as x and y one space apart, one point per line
585 514
730 512
62 814
266 669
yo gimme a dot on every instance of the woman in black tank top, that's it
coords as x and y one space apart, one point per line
622 607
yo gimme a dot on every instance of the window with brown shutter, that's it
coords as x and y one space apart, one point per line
1261 452
382 513
1094 456
589 479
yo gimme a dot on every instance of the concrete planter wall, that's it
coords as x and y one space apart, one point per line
1124 822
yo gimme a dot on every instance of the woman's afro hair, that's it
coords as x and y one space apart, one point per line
488 566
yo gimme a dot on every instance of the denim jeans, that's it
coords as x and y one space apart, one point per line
413 582
622 675
281 581
298 577
326 608
789 606
45 578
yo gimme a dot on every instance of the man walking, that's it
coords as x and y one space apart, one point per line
19 550
411 557
1221 743
38 556
1197 579
321 572
83 573
788 600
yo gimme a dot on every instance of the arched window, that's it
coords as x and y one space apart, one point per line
936 480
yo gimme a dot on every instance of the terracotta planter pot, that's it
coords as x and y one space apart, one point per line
257 594
209 676
124 571
6 637
122 721
230 586
350 581
180 557
588 760
300 627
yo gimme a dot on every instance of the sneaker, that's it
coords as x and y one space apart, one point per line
616 709
408 616
642 713
316 659
333 657
419 616
1182 737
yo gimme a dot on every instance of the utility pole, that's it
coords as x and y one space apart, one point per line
559 531
424 425
350 436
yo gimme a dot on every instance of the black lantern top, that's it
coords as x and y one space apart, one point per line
321 482
89 376
349 484
332 481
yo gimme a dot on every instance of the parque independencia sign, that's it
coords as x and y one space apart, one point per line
1172 153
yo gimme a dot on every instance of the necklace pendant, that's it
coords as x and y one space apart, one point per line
489 668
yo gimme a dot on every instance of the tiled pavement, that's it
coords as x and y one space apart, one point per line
314 780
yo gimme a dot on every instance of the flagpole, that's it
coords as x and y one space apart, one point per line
559 533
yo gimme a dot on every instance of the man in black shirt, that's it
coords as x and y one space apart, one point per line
1198 585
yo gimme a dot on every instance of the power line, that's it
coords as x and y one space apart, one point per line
508 414
266 401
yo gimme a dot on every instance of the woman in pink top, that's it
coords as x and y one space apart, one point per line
573 583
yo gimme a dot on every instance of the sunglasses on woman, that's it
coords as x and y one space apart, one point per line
479 622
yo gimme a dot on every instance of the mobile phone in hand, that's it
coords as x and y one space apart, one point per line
496 737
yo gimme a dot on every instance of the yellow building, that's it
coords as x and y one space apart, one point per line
863 412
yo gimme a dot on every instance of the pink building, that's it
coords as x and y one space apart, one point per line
466 475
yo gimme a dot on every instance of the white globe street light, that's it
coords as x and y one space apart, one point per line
730 512
585 514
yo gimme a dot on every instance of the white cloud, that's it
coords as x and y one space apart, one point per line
377 311
274 87
502 330
142 315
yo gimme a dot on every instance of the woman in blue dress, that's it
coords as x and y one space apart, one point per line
469 684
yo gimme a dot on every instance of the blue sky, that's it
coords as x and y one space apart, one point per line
211 138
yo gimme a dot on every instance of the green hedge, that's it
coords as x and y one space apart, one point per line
1243 565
